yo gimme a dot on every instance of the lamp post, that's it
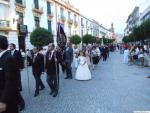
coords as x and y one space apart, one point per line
21 30
82 35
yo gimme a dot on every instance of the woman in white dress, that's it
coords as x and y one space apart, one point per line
88 57
126 56
83 71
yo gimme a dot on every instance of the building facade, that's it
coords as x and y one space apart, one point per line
34 14
145 15
135 19
132 21
92 27
85 25
45 14
95 28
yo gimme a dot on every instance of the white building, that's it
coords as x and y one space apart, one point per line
132 21
145 15
85 25
95 28
92 27
37 13
45 14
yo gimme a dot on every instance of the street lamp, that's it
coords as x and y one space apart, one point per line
82 35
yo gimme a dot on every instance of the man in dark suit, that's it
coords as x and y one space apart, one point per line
19 60
51 67
37 69
68 60
105 53
8 74
20 64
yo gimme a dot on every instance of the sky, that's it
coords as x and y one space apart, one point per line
108 11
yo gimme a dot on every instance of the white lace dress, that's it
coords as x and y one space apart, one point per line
83 71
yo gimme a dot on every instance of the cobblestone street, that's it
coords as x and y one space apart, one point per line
115 88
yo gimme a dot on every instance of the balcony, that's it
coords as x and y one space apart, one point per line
70 21
37 9
5 25
6 0
20 3
63 19
50 15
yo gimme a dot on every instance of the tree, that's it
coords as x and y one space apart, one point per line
88 39
137 34
125 39
41 37
75 39
110 41
94 38
146 28
98 41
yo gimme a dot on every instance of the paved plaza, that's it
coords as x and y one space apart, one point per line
115 88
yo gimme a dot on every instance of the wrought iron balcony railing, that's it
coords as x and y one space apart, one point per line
37 9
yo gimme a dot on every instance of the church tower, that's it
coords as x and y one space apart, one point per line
112 28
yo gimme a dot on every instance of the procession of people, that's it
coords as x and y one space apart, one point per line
51 62
136 54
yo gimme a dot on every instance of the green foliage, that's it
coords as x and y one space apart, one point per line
88 39
75 39
139 33
146 28
98 41
94 39
127 39
41 37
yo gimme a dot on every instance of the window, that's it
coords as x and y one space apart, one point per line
69 15
75 18
49 25
37 22
81 21
86 23
36 3
82 32
48 8
19 1
62 12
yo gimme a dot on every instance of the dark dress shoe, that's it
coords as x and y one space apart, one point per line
67 78
70 77
148 77
55 94
36 93
22 106
42 87
51 92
